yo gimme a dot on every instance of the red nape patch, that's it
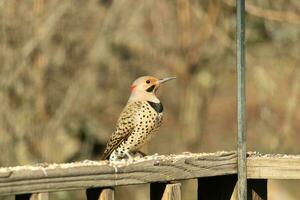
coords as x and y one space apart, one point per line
132 87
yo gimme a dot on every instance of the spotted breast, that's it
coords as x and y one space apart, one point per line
138 122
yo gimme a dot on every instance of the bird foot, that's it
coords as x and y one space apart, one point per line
130 157
140 154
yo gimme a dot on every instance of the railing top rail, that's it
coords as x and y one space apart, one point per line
86 174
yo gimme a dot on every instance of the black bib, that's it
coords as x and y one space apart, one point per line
158 107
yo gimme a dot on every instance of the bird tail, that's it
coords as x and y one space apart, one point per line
107 152
104 156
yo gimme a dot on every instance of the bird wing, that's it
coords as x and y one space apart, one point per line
124 128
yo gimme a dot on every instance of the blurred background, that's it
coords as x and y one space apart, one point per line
66 68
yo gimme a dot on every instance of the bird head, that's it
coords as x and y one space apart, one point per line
145 87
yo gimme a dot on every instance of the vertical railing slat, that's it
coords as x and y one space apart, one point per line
172 192
40 196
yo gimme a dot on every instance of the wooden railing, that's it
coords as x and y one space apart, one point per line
216 174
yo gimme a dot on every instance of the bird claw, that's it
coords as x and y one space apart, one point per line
127 156
140 154
130 157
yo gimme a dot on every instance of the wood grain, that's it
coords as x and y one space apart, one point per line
273 167
90 174
172 192
157 169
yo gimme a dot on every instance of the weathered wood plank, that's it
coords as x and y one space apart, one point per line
89 174
100 194
257 189
217 187
273 167
100 174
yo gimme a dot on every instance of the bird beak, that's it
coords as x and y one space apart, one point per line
160 81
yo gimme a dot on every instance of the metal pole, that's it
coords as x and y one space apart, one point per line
241 100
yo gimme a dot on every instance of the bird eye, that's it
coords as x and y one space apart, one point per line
148 81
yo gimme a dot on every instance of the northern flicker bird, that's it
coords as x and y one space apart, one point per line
139 120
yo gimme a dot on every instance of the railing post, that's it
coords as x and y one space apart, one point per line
241 99
216 187
100 194
165 191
